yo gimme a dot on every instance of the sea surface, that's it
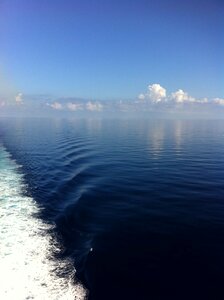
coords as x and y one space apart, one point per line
111 209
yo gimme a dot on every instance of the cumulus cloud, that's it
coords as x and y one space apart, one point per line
55 105
74 106
19 98
180 96
94 106
156 92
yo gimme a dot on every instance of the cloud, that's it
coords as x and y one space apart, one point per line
19 98
55 105
219 101
71 106
156 92
203 100
180 96
74 106
155 99
94 106
141 97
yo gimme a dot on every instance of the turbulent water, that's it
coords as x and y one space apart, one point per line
27 272
123 209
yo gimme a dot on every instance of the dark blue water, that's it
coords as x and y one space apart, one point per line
138 205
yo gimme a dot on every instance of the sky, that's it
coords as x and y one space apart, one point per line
103 50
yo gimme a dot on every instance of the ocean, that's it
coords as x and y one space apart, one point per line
111 209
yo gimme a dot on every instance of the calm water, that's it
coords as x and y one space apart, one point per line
131 209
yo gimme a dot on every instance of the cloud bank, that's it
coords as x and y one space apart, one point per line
155 99
219 101
55 105
76 106
97 106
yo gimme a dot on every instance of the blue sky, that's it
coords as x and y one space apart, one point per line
111 49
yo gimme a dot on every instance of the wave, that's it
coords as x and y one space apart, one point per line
27 269
137 209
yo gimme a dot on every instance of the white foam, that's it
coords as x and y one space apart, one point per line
26 272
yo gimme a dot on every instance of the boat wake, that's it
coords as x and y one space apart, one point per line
27 271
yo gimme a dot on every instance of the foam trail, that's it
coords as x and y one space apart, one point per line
25 270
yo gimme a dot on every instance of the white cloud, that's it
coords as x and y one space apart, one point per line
55 105
156 92
180 96
2 103
94 106
141 96
219 101
91 106
19 98
203 100
74 106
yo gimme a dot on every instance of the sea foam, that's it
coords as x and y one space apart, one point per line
26 270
